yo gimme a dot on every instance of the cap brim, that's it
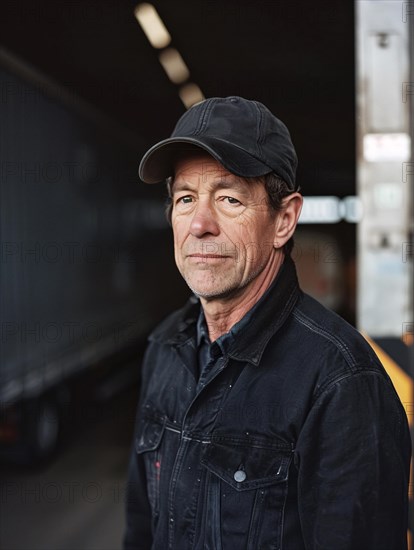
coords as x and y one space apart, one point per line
158 162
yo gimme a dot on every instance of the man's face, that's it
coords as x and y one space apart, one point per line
224 229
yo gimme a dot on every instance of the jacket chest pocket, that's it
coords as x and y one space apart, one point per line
148 445
247 488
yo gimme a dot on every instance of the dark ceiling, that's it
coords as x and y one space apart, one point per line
295 56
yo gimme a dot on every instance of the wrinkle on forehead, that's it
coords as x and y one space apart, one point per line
215 183
200 165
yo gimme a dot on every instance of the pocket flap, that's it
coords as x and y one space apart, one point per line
149 435
245 464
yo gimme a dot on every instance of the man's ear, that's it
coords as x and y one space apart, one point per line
287 219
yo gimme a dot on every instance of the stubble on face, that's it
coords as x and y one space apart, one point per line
220 249
222 281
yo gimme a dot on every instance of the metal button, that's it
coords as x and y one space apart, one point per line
239 476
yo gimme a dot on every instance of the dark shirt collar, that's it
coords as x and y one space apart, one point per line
202 330
247 339
252 333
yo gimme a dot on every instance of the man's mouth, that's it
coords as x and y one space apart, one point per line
207 256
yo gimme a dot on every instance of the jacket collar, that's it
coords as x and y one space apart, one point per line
247 339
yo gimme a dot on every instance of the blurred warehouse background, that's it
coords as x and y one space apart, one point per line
86 262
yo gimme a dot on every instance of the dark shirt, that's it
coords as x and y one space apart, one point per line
207 352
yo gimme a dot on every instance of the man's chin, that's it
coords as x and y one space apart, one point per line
213 292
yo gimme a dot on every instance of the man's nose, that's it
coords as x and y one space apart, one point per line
204 221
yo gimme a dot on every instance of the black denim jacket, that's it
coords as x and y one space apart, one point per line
295 440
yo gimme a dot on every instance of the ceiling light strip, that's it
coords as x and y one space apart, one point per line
170 59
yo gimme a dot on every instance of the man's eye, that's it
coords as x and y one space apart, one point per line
231 200
185 200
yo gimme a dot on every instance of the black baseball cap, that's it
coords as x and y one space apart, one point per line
241 134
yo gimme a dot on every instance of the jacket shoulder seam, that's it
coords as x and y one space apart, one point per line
344 376
317 329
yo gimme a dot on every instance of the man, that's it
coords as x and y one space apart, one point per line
265 421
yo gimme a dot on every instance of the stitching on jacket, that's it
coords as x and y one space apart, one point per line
306 321
332 381
293 297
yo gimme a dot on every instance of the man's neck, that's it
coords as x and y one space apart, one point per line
223 313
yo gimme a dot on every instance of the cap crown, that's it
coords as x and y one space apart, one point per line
246 124
241 134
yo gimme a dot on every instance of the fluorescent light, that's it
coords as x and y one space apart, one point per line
174 65
190 94
393 147
152 25
320 210
351 209
331 209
